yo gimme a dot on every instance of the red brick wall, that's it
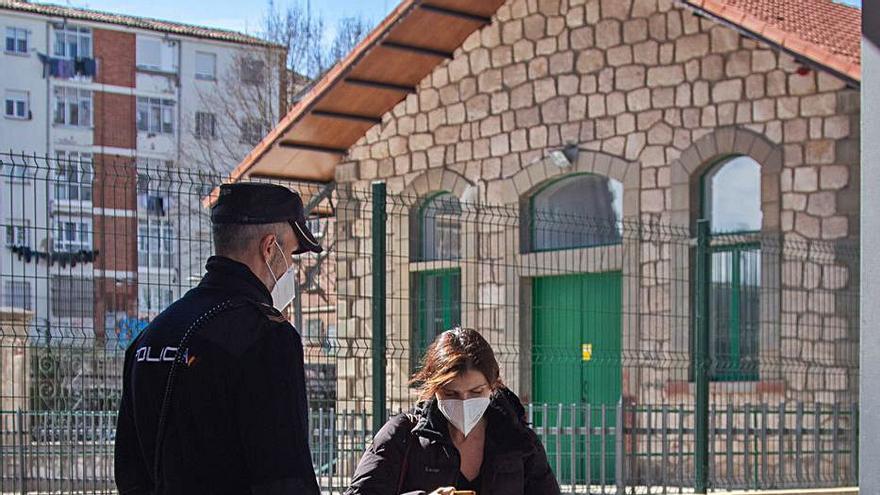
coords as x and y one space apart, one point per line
115 237
115 120
115 53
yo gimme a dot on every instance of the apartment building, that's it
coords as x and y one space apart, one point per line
113 128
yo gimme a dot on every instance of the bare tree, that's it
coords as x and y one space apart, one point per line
255 90
349 32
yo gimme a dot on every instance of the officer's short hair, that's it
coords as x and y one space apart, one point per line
237 238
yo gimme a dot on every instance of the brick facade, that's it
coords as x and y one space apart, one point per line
114 120
114 193
115 53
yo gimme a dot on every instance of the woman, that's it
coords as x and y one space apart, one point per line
468 432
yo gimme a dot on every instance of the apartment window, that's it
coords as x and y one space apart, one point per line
251 132
17 104
73 106
18 233
155 243
73 176
206 66
72 234
72 297
314 329
316 227
154 298
17 294
206 125
72 42
17 168
156 54
155 115
252 71
16 40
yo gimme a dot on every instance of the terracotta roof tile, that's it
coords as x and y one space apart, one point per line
824 31
132 21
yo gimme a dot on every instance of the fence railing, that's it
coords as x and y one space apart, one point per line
653 347
609 447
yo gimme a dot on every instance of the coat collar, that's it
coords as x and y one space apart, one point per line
234 277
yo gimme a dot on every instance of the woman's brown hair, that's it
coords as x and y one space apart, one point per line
454 352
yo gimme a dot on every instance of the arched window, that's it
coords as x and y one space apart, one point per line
732 204
435 290
439 228
574 212
732 192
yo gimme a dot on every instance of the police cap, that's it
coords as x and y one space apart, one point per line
256 203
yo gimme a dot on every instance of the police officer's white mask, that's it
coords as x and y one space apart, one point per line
285 286
463 414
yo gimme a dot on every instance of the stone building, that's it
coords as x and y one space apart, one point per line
634 117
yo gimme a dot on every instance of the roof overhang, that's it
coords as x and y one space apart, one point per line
351 98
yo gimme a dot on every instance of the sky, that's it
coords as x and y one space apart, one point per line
238 15
245 15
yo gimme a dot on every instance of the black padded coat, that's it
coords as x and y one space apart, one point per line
414 453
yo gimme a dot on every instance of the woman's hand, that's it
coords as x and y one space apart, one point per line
446 490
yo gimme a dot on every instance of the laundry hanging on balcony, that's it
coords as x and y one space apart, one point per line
63 258
63 68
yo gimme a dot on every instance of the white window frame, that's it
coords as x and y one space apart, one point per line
17 34
165 52
155 238
253 71
252 132
18 169
203 119
155 115
201 74
75 300
73 106
71 234
10 293
68 41
21 106
74 174
18 233
153 298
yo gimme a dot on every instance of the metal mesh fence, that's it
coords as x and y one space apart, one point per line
596 322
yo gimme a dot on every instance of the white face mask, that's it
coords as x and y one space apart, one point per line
463 414
285 287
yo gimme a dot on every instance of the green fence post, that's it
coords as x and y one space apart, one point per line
701 358
378 310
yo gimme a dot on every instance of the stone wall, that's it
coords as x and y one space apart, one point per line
654 95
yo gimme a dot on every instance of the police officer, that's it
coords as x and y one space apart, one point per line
214 397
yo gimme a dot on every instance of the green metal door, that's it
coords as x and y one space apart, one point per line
437 307
576 360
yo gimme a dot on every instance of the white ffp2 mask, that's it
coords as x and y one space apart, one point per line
463 414
285 287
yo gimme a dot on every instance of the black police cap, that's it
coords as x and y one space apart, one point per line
258 203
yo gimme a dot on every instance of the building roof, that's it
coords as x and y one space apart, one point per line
133 21
824 32
387 65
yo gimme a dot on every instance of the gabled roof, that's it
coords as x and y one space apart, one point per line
824 32
136 22
418 35
352 97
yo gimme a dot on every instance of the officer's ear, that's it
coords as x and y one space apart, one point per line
267 243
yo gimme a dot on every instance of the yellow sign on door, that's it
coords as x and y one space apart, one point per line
587 352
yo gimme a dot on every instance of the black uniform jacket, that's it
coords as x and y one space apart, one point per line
237 421
514 461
